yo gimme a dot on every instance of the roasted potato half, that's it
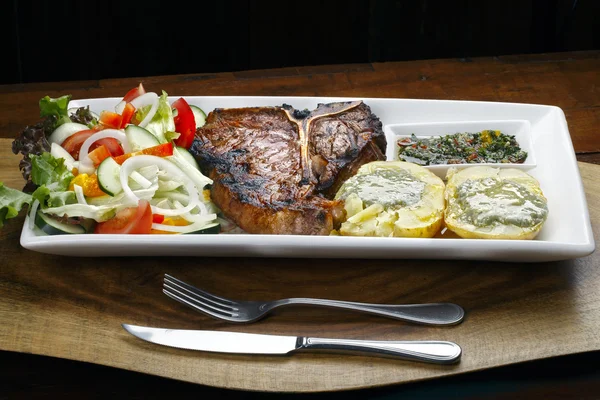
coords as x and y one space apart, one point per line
392 198
494 203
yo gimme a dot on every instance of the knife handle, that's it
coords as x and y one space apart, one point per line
437 352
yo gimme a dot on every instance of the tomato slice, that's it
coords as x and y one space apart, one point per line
111 119
133 220
74 142
162 150
134 93
127 114
99 154
185 123
113 146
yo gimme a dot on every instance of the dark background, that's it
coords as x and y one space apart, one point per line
64 40
79 40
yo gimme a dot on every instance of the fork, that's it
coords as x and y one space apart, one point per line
250 311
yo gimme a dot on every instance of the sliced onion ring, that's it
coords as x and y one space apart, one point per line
120 107
146 99
133 163
32 213
140 180
79 194
203 216
196 226
85 164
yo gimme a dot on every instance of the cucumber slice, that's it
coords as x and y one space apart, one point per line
108 177
199 116
89 225
187 156
208 229
140 138
53 227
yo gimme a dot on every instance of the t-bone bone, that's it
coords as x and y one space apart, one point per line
276 169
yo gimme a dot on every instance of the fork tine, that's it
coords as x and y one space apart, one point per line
216 299
196 296
197 299
215 314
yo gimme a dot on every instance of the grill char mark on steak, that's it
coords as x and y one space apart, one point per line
274 167
341 142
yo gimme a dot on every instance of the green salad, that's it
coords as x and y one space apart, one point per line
124 171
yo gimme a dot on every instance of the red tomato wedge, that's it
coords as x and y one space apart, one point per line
162 150
127 114
111 119
99 154
133 220
134 93
74 142
185 124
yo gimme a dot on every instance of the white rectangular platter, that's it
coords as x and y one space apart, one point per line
541 130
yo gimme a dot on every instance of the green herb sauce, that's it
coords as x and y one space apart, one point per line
485 202
487 146
386 187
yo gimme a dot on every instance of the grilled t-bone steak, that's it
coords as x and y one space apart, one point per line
275 169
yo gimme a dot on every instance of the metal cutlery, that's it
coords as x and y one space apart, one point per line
250 311
438 352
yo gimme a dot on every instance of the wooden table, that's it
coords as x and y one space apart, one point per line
72 308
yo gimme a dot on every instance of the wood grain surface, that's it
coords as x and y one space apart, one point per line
72 307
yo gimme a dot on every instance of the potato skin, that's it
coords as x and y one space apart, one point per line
470 233
498 231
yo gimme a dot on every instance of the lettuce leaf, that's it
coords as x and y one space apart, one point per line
97 213
52 178
53 199
33 139
172 136
84 116
59 199
196 176
56 107
162 122
50 171
41 194
11 202
168 185
121 201
141 113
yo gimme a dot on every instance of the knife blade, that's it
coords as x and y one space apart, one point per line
432 351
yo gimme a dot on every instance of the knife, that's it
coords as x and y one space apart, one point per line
438 352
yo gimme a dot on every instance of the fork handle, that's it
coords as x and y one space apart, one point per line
438 352
427 314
